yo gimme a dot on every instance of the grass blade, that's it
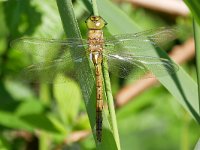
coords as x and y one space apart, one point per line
110 101
108 91
197 147
95 9
194 6
197 48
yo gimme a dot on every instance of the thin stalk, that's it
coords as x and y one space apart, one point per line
95 8
197 50
111 107
108 90
44 95
43 141
185 133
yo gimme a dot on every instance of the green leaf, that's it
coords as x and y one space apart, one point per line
40 121
33 18
7 102
58 124
68 98
12 121
4 144
197 48
194 6
17 89
17 12
29 107
197 147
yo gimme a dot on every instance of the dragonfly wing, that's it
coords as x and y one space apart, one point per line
48 71
55 58
48 48
140 42
138 66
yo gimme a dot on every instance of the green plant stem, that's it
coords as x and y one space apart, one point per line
95 8
111 107
108 90
68 18
43 141
45 98
45 94
194 6
185 132
197 49
84 72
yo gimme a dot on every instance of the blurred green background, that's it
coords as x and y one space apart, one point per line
46 116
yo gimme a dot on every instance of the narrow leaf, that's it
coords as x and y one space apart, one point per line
197 48
194 6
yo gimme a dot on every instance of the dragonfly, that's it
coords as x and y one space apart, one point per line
124 53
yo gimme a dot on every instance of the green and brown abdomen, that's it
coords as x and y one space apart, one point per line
95 39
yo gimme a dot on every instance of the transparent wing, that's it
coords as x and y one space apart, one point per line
138 66
140 42
48 71
48 48
56 58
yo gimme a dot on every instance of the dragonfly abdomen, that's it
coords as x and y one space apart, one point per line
99 101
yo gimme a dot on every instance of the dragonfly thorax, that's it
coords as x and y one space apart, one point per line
95 40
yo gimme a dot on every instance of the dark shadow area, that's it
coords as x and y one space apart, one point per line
7 103
21 17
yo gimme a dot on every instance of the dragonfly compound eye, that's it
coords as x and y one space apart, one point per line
95 22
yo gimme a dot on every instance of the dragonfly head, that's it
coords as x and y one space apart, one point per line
95 22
